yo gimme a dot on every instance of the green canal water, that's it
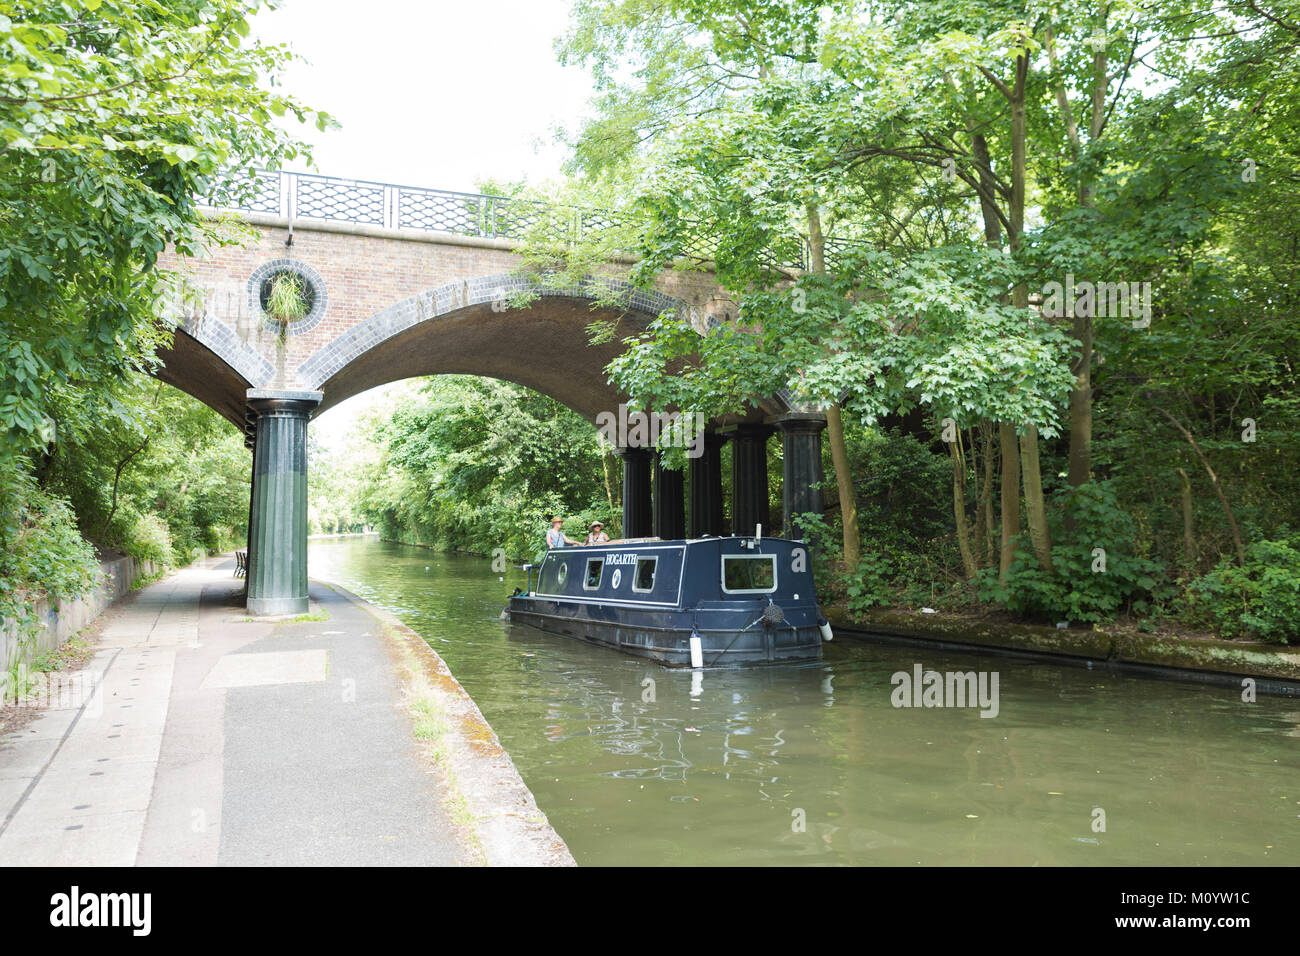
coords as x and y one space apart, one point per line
812 764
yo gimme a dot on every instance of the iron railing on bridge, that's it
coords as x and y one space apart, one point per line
329 198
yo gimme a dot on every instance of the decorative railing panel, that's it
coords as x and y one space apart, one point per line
308 196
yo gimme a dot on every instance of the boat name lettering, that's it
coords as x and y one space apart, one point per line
627 557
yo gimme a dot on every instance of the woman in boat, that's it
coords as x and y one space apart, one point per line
556 538
597 534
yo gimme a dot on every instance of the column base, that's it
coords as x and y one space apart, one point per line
276 607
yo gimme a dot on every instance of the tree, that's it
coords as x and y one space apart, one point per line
116 117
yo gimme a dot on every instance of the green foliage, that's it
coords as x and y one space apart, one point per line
868 586
46 554
1260 599
41 553
145 537
158 477
1095 570
117 117
903 488
477 464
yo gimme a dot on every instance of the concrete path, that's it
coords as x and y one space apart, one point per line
196 736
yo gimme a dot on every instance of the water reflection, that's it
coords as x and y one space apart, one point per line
636 763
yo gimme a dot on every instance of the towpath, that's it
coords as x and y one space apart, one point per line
199 736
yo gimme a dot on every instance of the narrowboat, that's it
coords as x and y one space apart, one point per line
691 603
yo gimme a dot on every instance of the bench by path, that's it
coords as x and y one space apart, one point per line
200 737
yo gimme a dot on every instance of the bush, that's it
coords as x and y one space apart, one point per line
146 537
1085 584
865 587
1260 599
45 552
903 490
41 551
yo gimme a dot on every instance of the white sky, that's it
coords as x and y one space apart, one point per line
438 94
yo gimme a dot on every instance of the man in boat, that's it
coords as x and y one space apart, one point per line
556 538
597 534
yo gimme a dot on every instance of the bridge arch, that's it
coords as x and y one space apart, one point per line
443 285
469 327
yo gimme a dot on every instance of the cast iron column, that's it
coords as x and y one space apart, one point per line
801 435
637 522
749 480
250 553
277 579
706 488
669 511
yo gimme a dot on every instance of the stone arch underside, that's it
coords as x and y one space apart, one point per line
468 328
209 362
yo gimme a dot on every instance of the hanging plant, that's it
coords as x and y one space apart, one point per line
287 300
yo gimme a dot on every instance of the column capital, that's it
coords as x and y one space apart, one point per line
799 421
291 401
746 430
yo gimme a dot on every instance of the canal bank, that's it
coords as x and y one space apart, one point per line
196 735
1274 668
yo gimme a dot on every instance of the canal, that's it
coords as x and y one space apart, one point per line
812 764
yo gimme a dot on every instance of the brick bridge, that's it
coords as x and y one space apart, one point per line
406 282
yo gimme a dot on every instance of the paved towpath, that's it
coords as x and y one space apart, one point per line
196 736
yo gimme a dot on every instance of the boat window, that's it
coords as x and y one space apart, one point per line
562 573
744 572
594 567
645 574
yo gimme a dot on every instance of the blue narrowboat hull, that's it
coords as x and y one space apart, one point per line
670 644
686 598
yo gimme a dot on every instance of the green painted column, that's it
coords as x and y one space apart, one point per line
801 434
749 480
706 488
669 517
277 572
638 520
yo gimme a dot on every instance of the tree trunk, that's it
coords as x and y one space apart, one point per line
834 424
1189 536
959 507
117 478
1214 483
604 467
1035 508
986 495
844 484
1033 479
1010 497
1080 470
978 460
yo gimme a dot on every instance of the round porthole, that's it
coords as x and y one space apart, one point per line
616 577
562 574
288 295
